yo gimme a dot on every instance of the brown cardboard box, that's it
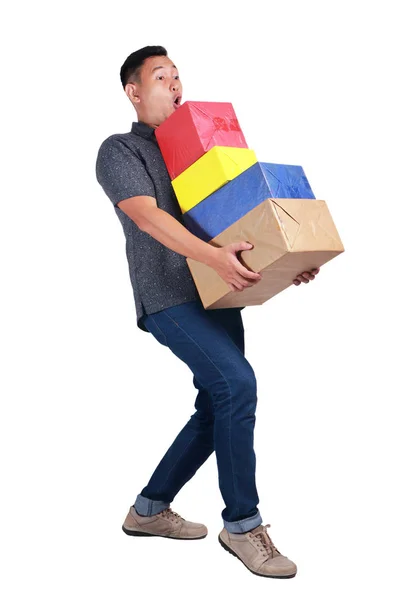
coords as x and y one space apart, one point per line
289 236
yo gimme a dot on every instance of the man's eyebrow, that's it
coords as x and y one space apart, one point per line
162 67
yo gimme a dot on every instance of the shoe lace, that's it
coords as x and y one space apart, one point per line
171 515
264 543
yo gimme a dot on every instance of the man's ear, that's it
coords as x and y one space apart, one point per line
131 90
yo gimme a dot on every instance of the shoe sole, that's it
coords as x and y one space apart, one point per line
145 534
225 547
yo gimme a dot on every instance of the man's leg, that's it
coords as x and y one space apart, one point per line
211 343
190 449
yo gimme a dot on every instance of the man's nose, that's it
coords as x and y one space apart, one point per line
175 86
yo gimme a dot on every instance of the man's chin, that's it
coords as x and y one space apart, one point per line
167 114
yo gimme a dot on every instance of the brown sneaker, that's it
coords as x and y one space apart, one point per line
257 552
164 524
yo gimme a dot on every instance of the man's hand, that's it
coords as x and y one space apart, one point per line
231 269
306 276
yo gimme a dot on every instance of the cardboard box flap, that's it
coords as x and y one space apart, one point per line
314 223
289 225
261 228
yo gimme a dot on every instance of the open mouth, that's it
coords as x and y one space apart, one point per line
177 101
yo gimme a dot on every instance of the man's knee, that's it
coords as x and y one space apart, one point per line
238 392
204 417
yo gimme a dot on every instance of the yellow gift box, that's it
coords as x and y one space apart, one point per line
213 170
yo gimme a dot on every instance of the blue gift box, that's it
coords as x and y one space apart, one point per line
224 207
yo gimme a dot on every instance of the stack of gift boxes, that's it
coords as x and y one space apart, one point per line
226 196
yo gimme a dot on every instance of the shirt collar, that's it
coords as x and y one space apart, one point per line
142 129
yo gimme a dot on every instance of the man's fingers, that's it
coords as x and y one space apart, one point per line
246 273
306 276
246 278
239 286
302 278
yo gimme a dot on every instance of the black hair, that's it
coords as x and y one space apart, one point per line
133 64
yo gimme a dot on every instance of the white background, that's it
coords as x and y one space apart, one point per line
90 403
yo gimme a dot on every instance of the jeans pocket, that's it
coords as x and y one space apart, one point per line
155 329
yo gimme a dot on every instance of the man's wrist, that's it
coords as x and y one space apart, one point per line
208 254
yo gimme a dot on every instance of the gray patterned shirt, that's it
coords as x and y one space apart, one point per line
131 164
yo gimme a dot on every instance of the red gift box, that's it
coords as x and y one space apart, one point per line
193 129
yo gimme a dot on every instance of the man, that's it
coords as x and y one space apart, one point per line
131 170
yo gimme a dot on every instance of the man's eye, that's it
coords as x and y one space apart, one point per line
160 76
176 76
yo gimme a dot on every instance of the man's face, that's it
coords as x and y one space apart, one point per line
159 92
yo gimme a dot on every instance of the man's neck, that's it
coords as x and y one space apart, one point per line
146 121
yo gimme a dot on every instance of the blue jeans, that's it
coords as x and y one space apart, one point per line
211 343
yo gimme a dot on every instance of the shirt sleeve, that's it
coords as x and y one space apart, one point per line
121 173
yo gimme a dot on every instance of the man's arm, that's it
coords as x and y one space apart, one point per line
123 177
143 210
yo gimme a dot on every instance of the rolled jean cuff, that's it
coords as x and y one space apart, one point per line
244 525
147 508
